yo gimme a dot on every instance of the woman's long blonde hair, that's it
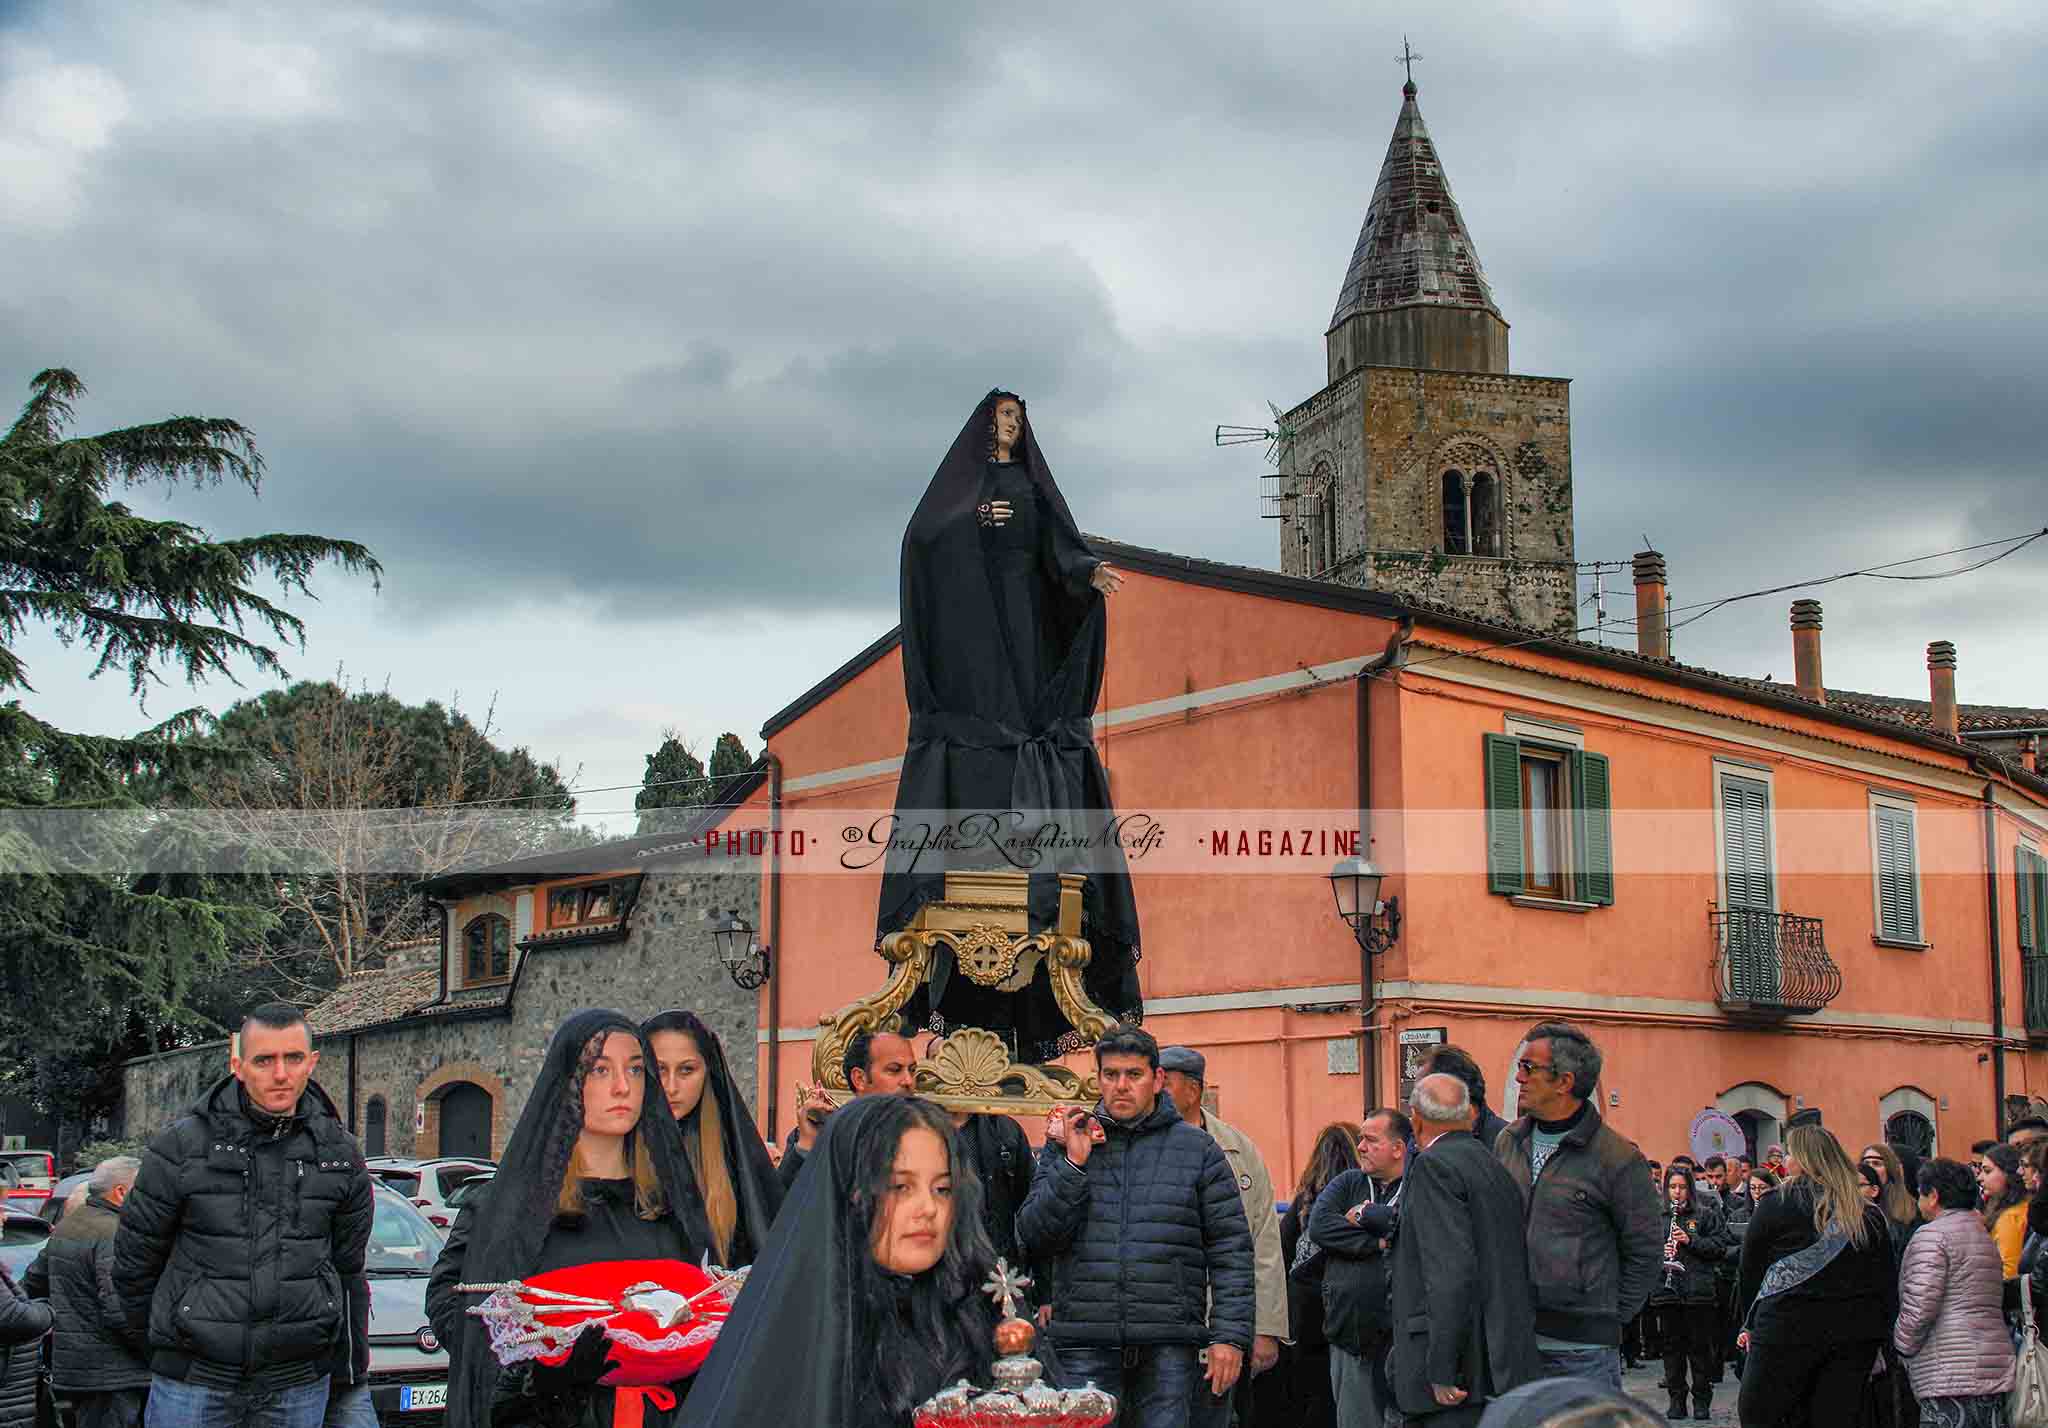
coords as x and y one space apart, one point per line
703 1128
1838 1202
1895 1199
707 1163
649 1203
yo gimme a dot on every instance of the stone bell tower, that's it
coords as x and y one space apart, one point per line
1424 467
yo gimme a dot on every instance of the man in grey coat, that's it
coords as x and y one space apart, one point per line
1595 1219
94 1364
1462 1312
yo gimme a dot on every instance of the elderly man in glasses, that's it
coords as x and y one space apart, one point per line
1596 1236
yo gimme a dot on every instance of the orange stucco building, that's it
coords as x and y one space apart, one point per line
1855 975
1759 898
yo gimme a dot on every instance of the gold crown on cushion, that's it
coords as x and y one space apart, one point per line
1020 1398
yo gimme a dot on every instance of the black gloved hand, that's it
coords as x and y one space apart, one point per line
588 1362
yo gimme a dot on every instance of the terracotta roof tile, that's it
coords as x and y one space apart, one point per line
1414 246
371 997
1916 713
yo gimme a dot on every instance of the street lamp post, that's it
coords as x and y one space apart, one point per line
1355 882
744 959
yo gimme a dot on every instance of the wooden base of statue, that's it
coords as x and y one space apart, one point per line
985 921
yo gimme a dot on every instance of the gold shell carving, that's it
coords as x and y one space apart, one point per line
971 1070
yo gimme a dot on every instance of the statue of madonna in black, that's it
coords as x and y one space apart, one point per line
1003 637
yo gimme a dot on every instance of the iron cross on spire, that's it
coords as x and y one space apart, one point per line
1407 59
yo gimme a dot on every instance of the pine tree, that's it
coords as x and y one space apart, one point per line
728 757
84 939
674 779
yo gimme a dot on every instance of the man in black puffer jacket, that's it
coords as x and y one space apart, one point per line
93 1364
1144 1228
247 1225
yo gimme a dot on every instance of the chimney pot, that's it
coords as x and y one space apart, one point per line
1941 687
1653 632
1806 650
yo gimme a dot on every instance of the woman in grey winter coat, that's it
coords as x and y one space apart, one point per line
1951 1329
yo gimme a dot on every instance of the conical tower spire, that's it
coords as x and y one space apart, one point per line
1415 294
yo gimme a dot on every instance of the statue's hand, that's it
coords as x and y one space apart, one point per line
1106 579
994 513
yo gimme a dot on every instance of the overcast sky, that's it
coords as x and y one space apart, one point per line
627 336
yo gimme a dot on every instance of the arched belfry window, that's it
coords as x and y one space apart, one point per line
1457 524
1485 507
1326 519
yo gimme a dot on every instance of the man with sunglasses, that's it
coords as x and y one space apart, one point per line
1595 1228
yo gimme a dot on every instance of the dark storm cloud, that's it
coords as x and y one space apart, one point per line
675 307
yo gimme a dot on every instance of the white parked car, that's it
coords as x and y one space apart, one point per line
408 1366
429 1183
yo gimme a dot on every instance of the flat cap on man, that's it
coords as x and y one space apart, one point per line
1186 1060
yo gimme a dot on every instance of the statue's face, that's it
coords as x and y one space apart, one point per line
1009 422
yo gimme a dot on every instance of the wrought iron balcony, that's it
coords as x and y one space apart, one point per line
2034 985
1771 963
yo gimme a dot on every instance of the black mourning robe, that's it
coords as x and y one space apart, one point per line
787 1356
756 1186
1003 641
511 1229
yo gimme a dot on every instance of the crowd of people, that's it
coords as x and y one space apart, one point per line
1433 1262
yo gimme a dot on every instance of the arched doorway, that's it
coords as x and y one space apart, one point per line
1908 1117
1760 1110
465 1120
1909 1130
373 1127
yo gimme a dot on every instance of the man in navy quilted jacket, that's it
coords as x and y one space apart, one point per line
1138 1214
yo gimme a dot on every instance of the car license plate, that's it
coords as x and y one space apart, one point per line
423 1395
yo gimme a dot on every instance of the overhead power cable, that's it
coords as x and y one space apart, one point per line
1705 608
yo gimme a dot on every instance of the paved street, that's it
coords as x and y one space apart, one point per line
1647 1384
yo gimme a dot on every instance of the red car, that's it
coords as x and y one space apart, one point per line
27 1177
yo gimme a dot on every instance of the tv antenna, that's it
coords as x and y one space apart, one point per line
1278 498
1598 599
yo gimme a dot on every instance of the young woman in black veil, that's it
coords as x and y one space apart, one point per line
735 1178
595 1172
1004 637
867 1298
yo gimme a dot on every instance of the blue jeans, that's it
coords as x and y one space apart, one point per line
1594 1362
1352 1386
349 1407
1154 1384
176 1404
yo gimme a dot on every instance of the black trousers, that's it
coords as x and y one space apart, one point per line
1725 1327
1692 1338
1811 1385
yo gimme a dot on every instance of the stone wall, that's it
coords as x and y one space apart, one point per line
667 959
156 1090
1538 596
1382 437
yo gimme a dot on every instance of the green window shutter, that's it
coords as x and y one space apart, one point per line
2024 894
1594 820
1898 897
1503 814
2040 903
1746 840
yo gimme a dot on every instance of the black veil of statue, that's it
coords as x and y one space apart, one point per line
1002 667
